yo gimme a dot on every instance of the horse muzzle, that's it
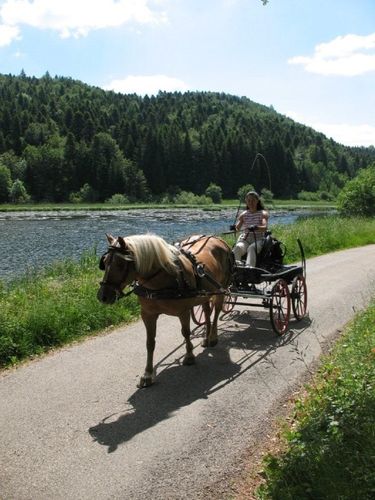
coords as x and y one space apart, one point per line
107 294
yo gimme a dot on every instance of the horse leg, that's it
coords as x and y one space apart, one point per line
212 335
189 358
207 315
150 323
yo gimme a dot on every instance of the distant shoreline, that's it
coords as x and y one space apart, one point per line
56 207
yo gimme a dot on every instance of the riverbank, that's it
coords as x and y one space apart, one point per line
58 305
50 207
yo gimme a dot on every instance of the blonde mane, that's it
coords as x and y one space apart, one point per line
152 252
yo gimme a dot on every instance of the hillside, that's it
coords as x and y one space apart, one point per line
58 134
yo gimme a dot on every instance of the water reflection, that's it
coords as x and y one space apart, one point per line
34 239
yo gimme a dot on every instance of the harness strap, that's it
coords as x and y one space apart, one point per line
172 293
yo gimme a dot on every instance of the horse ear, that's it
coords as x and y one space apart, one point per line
122 243
110 238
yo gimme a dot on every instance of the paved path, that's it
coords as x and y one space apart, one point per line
74 426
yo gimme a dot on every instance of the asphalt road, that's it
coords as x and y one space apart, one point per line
73 425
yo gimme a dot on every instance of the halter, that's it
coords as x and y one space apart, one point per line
112 250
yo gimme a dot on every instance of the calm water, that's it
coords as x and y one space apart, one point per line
33 239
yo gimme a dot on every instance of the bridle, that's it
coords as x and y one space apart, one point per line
111 252
127 256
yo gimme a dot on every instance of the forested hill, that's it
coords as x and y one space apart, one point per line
58 134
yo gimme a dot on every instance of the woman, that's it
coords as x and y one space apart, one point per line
254 221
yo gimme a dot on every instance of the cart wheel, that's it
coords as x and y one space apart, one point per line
229 303
197 314
280 306
299 297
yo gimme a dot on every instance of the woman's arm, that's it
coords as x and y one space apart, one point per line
239 222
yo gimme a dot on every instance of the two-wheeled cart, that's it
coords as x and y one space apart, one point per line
271 285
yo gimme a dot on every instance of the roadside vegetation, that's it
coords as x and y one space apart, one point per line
54 307
59 305
328 449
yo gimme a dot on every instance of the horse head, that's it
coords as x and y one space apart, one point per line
118 266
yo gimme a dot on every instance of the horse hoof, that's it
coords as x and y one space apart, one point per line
144 382
204 343
212 343
189 360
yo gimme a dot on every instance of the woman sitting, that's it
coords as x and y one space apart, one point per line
254 221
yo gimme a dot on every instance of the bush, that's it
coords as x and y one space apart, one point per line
85 194
117 199
243 190
267 195
18 193
358 195
214 192
188 198
308 196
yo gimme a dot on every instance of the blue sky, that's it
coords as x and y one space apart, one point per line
312 60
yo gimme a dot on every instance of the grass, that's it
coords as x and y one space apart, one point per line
277 204
59 305
321 235
330 447
54 307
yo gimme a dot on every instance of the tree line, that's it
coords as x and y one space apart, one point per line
62 140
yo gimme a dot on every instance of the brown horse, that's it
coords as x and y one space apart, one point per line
168 280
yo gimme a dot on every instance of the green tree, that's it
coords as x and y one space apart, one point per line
358 195
18 193
241 193
214 192
267 195
5 183
44 176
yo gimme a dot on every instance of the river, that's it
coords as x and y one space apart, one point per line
30 240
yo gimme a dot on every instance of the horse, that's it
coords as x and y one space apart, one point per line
168 280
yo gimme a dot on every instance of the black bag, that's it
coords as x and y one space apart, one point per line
272 252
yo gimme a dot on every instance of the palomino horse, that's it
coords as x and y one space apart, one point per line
168 280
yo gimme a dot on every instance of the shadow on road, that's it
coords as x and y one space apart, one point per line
177 385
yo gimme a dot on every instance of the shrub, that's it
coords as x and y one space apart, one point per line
308 196
188 198
18 193
117 199
358 195
214 192
85 194
267 195
243 190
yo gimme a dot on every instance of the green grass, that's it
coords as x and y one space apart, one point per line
321 235
277 204
330 446
59 305
54 307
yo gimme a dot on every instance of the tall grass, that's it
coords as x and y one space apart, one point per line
321 235
330 447
58 305
54 307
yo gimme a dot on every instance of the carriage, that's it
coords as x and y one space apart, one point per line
198 278
270 285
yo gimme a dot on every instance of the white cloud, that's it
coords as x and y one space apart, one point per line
78 17
149 85
350 135
344 133
8 34
348 55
